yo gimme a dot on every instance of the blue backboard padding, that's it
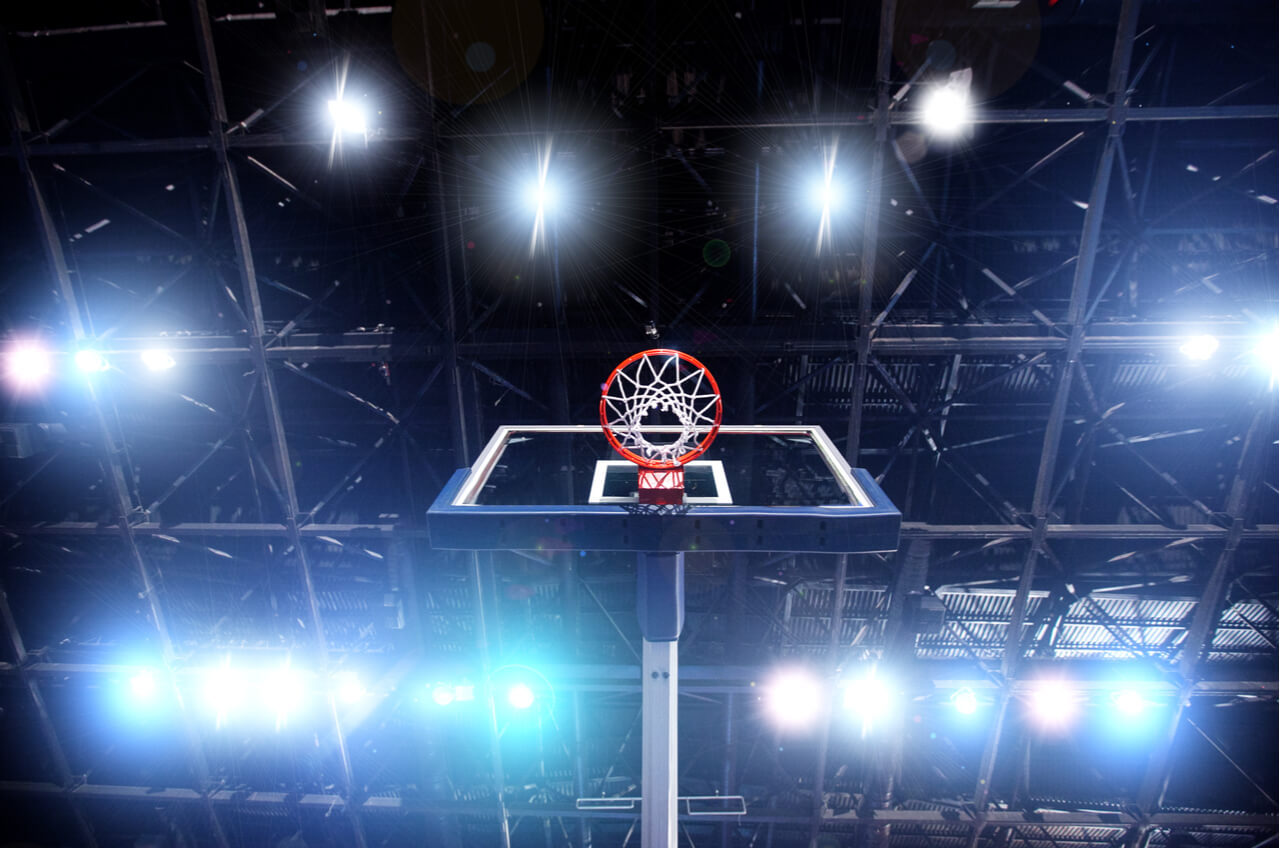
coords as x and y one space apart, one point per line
631 527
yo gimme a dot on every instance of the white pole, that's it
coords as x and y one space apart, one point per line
659 810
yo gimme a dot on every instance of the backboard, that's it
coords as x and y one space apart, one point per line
756 488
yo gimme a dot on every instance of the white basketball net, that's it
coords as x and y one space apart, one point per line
655 382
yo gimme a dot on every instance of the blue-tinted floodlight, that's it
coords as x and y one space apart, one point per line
826 195
1129 702
1053 702
143 685
1267 351
442 694
520 696
283 692
542 196
158 359
965 701
869 698
91 361
347 687
794 698
1200 348
28 364
947 112
348 116
225 690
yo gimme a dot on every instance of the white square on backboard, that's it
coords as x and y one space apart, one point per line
605 466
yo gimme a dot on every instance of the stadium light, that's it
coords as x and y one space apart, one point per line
28 364
826 195
443 694
947 111
1267 351
143 685
965 701
1053 702
158 359
867 697
91 361
348 117
1200 348
347 687
224 692
794 698
520 696
541 196
282 693
1129 702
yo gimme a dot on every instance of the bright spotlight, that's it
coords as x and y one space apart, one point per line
965 701
541 196
867 697
520 696
347 687
1268 351
347 116
443 694
282 693
947 111
91 361
1200 348
826 196
1053 702
28 363
143 685
1129 702
794 698
158 359
224 691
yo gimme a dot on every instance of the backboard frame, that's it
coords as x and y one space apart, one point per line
868 523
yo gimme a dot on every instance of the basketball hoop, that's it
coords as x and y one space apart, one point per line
661 381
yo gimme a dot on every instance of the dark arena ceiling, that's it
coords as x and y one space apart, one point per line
1001 327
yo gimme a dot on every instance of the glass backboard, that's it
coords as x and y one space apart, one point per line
756 488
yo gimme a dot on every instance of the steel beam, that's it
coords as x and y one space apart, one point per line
481 563
834 642
258 339
61 768
871 231
910 529
288 803
409 135
1086 675
1209 610
1117 92
911 340
117 486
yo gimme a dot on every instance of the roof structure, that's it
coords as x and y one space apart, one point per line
995 326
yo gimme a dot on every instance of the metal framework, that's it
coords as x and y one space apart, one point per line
1030 588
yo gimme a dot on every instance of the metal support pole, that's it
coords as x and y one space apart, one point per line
659 812
61 768
833 653
1209 609
113 469
1117 88
870 241
482 575
257 344
660 607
